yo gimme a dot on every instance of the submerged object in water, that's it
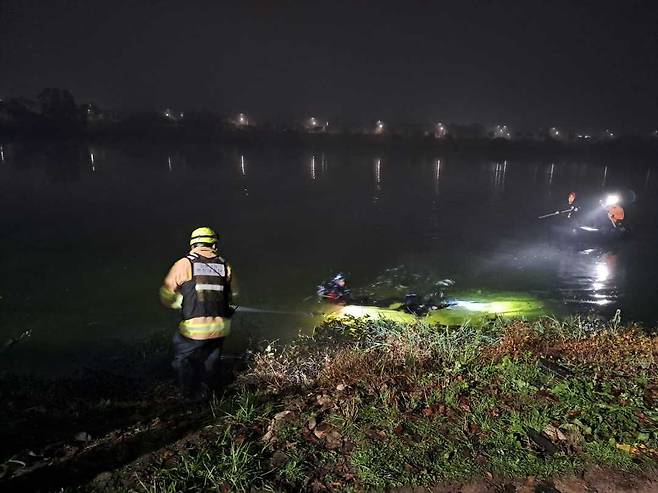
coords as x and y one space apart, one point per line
469 306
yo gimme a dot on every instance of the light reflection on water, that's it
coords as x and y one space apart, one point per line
592 276
437 177
99 226
378 180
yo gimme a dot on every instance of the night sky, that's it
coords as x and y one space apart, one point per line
585 64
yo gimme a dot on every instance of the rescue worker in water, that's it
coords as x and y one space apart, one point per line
573 209
616 215
335 290
199 285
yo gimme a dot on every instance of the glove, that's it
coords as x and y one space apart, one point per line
170 299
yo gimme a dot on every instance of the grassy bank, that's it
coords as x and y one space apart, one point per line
377 405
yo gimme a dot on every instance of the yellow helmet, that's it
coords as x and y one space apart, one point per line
203 235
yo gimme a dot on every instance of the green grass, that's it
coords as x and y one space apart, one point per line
223 465
375 405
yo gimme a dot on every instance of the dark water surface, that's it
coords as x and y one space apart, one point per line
86 241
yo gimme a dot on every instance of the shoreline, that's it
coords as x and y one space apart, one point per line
373 404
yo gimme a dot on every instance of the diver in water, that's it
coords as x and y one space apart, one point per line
422 305
335 291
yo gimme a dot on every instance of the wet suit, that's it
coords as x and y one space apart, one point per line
333 293
572 211
418 305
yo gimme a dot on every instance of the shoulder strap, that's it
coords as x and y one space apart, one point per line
191 257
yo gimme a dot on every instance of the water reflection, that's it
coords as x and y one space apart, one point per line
605 176
499 172
551 171
378 180
606 279
437 176
444 222
591 276
243 173
317 167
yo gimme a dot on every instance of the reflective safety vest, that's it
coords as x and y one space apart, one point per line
206 295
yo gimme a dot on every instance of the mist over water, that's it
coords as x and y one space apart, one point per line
89 231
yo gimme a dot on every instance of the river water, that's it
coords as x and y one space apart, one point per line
89 231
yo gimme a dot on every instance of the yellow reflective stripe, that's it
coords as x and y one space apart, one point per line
206 330
205 334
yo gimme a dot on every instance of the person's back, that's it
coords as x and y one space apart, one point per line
200 285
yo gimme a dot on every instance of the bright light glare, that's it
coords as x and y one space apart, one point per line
473 306
602 272
498 307
611 200
354 311
492 307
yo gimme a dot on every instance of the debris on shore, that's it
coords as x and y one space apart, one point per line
377 405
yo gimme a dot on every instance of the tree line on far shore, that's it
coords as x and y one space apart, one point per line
56 112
